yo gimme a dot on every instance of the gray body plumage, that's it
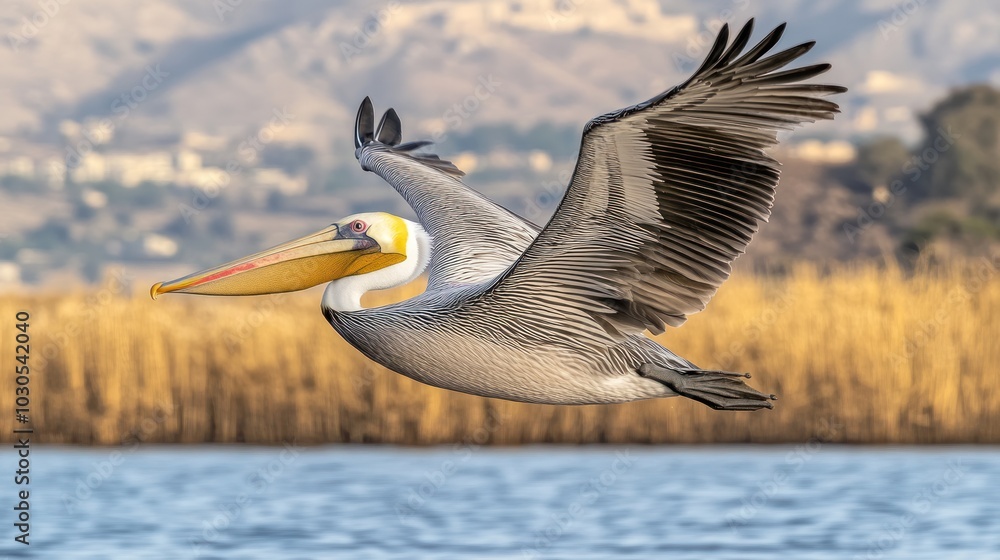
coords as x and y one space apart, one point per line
440 339
665 195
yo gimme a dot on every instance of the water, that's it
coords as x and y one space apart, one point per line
562 502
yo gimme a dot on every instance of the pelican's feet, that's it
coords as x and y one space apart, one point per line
721 390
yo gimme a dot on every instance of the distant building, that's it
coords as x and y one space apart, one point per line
156 245
126 168
132 169
53 173
32 257
18 166
277 180
96 133
539 161
91 169
188 160
10 272
95 199
466 161
835 152
203 178
203 142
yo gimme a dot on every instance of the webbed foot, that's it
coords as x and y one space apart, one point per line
721 390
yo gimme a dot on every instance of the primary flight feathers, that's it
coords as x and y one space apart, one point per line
666 193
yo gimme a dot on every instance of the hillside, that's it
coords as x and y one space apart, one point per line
120 127
227 66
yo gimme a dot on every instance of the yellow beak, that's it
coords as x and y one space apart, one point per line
312 260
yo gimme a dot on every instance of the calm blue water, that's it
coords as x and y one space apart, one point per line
601 502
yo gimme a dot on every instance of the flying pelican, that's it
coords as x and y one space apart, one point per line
665 195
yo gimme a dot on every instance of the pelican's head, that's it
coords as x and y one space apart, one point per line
369 251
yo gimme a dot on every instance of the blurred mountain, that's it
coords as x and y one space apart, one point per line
121 126
227 64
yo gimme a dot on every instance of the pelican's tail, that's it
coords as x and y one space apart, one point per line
721 390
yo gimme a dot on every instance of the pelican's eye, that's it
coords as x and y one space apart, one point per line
359 226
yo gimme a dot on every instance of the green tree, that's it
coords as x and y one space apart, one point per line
881 159
960 154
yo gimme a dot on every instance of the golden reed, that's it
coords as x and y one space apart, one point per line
860 353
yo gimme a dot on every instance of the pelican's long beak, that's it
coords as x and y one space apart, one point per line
312 260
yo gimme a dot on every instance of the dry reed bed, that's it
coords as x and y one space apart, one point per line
858 354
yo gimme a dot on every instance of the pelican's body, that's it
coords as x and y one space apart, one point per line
665 195
500 358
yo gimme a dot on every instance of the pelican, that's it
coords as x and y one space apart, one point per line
665 195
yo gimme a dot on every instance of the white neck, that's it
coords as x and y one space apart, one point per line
345 294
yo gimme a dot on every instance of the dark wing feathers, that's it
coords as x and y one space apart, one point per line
389 134
666 194
364 124
390 130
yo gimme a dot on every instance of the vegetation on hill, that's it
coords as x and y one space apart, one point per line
942 191
946 189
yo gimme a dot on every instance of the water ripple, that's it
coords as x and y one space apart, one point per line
539 502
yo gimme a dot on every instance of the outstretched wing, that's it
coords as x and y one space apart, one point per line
474 239
665 195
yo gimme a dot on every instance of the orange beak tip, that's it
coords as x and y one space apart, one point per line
154 291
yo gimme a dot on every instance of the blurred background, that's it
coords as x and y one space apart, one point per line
141 143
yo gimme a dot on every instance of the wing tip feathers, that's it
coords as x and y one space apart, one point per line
389 135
